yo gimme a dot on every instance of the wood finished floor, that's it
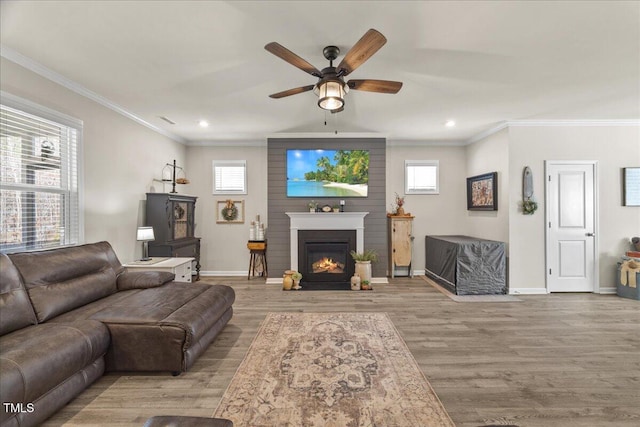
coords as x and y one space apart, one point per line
550 360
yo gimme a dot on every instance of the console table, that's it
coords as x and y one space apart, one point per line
466 265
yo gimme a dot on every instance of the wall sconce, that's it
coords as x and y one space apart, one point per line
145 234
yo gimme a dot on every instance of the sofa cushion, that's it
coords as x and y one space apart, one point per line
15 308
36 359
62 279
144 279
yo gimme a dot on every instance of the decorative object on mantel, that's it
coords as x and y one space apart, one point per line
230 211
363 263
313 206
169 174
529 206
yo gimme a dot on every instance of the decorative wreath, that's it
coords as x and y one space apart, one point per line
529 207
230 211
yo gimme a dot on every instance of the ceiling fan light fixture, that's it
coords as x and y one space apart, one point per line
330 94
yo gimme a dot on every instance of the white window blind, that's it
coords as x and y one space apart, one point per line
422 177
38 181
229 177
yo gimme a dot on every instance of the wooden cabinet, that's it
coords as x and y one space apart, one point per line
172 217
181 267
400 244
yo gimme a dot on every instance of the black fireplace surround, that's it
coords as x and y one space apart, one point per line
324 258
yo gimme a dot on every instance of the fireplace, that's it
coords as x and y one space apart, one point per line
324 257
332 236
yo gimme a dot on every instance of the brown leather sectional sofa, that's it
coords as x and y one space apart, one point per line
68 315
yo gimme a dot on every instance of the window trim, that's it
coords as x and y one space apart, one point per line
409 163
40 111
229 163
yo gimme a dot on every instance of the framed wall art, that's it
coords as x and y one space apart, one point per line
631 186
482 192
230 211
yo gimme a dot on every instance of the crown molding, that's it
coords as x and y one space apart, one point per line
47 73
550 123
424 143
229 143
332 135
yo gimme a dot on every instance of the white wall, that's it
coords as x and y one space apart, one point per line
491 155
614 147
121 158
440 214
224 246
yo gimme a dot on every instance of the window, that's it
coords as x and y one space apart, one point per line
38 177
229 177
421 177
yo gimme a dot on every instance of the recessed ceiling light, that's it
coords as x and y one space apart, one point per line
203 123
450 123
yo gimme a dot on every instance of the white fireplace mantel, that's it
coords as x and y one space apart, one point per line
325 221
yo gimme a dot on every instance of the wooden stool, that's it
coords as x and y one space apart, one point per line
257 257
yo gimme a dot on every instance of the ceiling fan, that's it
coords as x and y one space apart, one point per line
331 87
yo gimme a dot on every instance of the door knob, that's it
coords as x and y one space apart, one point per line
591 234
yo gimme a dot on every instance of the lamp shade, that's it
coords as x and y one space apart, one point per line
145 234
330 94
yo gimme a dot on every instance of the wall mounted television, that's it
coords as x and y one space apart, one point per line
327 173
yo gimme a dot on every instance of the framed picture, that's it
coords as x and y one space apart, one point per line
631 186
230 211
482 192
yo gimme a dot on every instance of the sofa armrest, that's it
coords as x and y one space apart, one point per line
143 279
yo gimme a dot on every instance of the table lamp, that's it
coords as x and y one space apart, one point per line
145 234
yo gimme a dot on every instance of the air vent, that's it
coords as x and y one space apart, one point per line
167 120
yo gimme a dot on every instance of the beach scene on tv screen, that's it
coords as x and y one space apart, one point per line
327 173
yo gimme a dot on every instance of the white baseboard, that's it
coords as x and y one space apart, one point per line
528 291
608 290
224 273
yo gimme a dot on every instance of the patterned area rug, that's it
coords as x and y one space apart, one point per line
330 369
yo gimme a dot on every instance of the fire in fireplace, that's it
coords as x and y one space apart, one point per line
324 257
327 265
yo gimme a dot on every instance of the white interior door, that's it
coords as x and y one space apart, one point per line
571 226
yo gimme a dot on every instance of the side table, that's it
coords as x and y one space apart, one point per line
257 258
180 266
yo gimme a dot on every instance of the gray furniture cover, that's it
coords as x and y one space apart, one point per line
467 265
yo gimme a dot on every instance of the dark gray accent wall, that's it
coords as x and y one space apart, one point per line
375 224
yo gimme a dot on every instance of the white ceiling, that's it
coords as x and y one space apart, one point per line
480 63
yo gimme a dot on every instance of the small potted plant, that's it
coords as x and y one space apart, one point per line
366 285
313 206
296 276
363 263
336 208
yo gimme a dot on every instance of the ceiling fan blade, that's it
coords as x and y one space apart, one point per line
293 59
381 86
361 51
293 91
